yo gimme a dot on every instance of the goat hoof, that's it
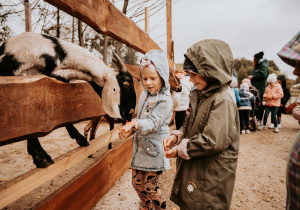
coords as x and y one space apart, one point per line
41 163
82 142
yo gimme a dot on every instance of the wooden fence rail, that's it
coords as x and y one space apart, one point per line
34 106
105 18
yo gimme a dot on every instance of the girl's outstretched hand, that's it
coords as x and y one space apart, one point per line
169 142
126 130
172 153
123 135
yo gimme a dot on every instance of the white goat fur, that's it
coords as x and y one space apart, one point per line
78 64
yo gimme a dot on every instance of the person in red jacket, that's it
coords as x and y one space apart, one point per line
273 94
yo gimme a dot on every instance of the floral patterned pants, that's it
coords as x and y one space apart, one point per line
146 184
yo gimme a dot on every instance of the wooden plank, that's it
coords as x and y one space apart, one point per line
106 19
86 189
26 100
134 71
14 189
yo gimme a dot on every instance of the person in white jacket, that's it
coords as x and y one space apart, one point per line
181 99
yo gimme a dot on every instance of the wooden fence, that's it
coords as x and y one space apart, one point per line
34 106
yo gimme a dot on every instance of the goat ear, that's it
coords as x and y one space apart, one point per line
119 63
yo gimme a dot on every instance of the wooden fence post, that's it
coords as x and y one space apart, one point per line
27 16
169 30
146 20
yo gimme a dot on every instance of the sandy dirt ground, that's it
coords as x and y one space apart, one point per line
260 179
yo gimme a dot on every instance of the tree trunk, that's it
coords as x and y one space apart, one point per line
58 25
80 34
73 30
119 44
105 49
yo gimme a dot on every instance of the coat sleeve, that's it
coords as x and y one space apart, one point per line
159 114
278 94
296 110
261 74
218 132
237 96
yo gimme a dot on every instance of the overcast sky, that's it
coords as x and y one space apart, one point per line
248 26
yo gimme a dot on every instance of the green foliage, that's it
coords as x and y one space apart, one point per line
130 57
5 31
244 68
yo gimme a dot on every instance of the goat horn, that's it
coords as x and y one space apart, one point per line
119 63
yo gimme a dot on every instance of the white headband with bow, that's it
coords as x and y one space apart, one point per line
147 63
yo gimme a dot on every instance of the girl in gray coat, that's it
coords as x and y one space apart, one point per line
154 112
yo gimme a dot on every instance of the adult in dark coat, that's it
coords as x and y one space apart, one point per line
258 79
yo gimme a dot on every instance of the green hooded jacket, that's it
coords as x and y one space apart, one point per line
206 180
260 74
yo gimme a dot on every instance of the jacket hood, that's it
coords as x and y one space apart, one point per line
214 62
160 61
234 82
282 79
247 81
245 86
263 60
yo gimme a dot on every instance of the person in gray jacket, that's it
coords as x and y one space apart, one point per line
154 111
207 144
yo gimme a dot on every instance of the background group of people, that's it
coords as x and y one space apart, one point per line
206 145
259 95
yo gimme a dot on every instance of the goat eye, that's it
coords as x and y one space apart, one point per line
114 89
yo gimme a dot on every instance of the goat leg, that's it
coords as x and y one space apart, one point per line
74 134
40 157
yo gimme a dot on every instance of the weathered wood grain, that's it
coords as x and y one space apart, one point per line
34 106
86 189
15 188
106 19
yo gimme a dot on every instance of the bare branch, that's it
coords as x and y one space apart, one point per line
131 8
151 14
150 8
125 6
141 5
159 36
11 13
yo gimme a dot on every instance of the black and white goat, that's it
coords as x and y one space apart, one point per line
33 54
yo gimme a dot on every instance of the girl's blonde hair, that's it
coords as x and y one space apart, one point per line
149 68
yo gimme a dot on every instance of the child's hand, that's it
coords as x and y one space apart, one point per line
173 153
126 130
269 96
169 142
123 135
129 125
